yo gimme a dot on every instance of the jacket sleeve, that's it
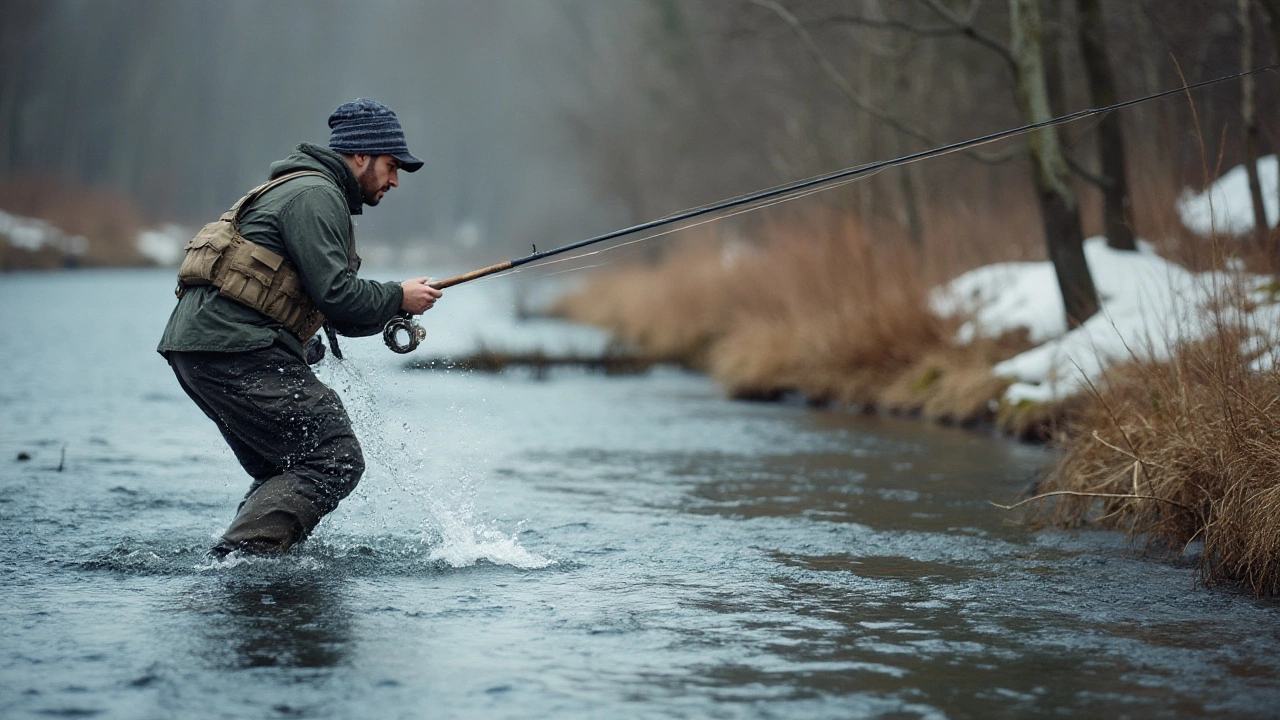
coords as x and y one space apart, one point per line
315 227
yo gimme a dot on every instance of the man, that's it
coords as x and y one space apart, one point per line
248 372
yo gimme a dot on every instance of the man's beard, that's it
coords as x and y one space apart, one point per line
369 187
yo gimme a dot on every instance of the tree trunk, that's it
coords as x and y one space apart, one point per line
1271 8
1249 118
1059 213
1118 219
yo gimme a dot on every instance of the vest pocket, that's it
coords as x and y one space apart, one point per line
200 265
288 300
249 270
253 261
246 289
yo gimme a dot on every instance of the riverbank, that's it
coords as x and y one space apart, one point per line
47 224
817 309
1162 404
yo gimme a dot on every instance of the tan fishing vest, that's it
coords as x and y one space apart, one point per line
247 272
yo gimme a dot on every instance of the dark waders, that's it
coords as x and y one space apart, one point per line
289 432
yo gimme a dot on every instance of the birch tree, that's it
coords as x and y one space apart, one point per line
1064 236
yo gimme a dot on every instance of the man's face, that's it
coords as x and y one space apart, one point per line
380 174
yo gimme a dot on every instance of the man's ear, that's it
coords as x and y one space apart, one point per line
361 160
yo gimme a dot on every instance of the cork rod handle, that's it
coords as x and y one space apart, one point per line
473 275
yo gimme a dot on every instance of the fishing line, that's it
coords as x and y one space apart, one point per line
670 231
404 323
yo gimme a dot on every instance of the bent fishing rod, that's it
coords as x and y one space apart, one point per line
405 323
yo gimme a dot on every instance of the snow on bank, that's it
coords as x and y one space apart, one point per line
1227 206
1149 305
33 234
164 245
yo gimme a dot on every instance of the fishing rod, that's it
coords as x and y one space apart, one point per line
404 322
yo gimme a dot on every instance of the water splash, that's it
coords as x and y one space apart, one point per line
451 526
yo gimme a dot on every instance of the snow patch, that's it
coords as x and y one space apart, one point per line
33 234
1149 306
164 245
1227 206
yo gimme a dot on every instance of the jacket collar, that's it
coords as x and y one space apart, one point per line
315 157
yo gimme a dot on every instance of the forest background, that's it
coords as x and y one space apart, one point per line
545 121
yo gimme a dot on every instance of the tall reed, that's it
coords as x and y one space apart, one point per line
1181 451
817 304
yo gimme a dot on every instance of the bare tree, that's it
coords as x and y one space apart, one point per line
673 103
902 131
1059 210
1025 55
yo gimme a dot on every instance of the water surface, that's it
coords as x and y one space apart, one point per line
575 547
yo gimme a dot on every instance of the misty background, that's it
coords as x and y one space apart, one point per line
546 121
181 106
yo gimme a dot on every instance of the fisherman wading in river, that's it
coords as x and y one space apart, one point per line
254 289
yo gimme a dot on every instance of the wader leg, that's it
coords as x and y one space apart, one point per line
258 467
289 431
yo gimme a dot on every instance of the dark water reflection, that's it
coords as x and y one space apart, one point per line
574 547
287 623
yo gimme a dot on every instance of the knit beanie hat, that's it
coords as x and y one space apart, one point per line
367 127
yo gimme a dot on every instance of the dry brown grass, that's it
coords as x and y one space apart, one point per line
669 312
954 384
1187 449
819 306
826 312
1180 451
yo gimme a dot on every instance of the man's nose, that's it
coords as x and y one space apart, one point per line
394 179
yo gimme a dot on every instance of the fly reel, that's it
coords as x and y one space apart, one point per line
403 325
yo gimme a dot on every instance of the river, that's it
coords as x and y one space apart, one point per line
568 546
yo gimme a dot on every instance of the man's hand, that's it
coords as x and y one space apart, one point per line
419 297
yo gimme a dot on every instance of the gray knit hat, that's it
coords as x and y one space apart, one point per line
367 127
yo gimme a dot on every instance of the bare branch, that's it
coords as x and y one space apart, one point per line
839 80
1088 175
898 25
846 88
965 26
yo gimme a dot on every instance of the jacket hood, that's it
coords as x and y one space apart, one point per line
314 157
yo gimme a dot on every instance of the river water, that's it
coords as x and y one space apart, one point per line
575 546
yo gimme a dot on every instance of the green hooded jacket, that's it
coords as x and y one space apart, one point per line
307 220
